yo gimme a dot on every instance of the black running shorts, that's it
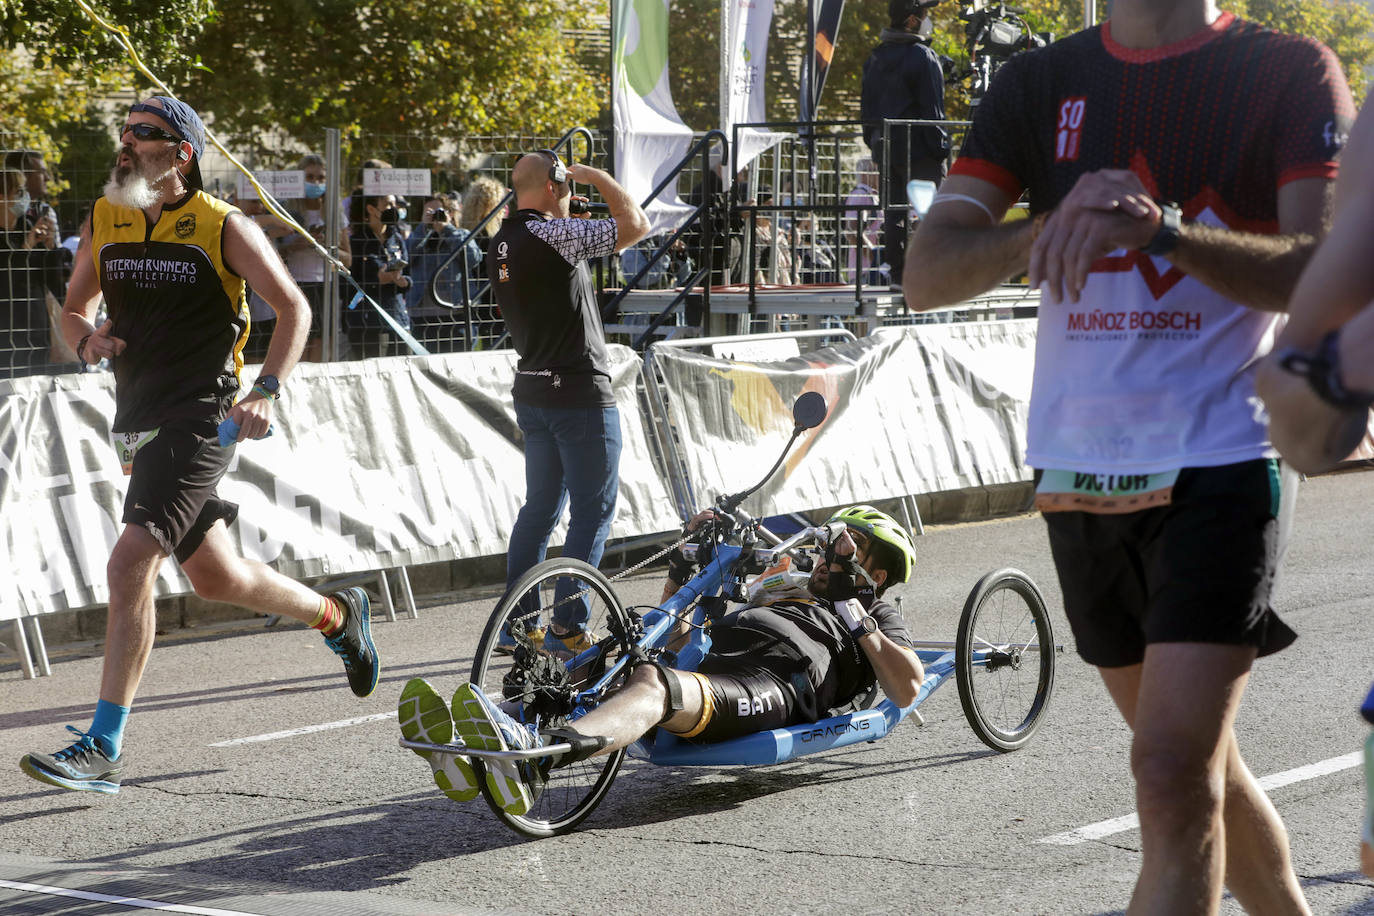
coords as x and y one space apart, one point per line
172 487
1198 570
740 699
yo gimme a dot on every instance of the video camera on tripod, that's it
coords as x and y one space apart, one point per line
993 33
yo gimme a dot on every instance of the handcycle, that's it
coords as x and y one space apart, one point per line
1002 659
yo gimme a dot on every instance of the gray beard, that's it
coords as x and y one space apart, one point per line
133 189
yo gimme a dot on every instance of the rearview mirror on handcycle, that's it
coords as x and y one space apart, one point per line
768 649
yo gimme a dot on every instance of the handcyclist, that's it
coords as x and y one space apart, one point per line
784 659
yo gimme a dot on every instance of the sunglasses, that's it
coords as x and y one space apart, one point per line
149 132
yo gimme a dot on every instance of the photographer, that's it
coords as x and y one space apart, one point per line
903 80
381 262
432 248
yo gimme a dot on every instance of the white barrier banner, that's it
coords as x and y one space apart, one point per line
373 465
914 410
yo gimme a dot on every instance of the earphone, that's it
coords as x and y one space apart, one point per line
183 155
558 172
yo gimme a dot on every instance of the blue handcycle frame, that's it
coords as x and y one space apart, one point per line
759 748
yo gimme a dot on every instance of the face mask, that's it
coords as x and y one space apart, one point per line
20 205
313 190
926 28
390 216
400 214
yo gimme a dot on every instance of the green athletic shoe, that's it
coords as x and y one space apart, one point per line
425 717
483 726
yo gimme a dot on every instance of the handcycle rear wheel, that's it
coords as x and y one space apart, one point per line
1004 658
532 686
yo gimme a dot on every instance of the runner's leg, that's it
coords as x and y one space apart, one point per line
218 573
1193 690
132 618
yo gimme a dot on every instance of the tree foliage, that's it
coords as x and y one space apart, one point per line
438 67
442 68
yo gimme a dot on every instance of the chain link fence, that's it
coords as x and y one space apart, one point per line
807 211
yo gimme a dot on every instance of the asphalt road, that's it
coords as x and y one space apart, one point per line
335 818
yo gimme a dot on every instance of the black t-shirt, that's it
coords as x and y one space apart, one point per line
1216 122
806 643
539 275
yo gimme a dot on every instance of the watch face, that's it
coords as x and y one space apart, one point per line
870 625
269 382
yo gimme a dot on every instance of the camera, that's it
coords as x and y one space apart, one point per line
396 264
993 34
439 215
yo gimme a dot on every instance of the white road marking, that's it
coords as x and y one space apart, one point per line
121 901
1267 783
308 729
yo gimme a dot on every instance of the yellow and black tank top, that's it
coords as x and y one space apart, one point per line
181 310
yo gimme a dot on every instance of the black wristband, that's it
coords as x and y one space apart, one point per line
1322 370
1170 224
680 568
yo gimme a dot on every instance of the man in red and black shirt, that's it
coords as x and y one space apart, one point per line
1180 165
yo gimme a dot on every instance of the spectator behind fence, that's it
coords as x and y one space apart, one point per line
306 265
172 263
25 258
562 390
381 267
41 214
432 254
483 196
863 224
1166 508
902 80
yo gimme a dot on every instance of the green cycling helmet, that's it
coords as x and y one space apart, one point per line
880 526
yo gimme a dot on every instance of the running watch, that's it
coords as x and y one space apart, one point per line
268 385
1166 239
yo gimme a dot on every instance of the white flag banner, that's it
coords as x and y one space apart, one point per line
650 138
748 43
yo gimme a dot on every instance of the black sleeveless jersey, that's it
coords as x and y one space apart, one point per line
181 310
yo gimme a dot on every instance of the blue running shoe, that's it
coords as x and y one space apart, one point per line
484 726
81 766
425 717
353 642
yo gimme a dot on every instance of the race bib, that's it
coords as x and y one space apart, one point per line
780 582
127 446
1105 494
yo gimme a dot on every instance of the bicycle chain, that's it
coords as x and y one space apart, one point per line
620 575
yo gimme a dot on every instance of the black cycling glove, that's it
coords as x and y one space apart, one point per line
850 582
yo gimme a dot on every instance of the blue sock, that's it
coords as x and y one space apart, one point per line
108 727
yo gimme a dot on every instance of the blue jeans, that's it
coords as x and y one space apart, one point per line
572 456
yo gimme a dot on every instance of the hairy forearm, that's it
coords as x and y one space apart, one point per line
946 265
1259 271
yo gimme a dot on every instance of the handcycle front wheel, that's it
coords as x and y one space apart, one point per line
1004 657
533 687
